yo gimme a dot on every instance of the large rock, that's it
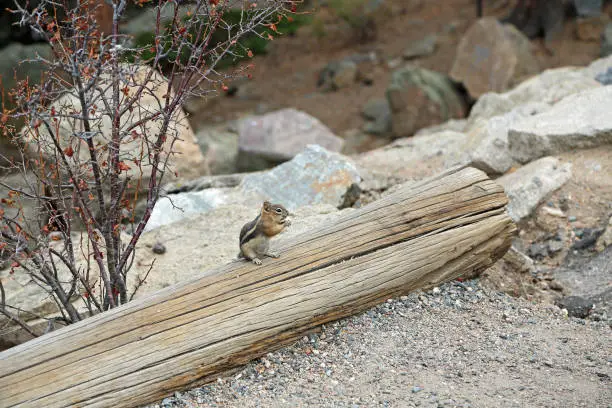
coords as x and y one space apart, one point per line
278 136
579 121
492 57
417 157
552 85
549 87
419 97
186 159
378 114
220 148
315 176
421 48
488 139
531 184
176 207
489 105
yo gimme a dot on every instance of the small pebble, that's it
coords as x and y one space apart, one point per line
159 248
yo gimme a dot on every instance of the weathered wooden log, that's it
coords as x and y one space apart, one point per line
424 234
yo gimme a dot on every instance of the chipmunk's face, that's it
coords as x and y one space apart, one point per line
276 211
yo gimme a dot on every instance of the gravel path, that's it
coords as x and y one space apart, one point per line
456 346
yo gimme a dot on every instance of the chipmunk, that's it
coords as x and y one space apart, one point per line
255 235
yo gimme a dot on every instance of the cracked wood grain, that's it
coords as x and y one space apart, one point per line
424 234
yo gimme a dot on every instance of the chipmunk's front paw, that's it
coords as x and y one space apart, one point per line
273 254
256 261
287 223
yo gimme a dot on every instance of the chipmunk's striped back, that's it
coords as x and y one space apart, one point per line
255 235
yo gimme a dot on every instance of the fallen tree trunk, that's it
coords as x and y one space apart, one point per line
424 234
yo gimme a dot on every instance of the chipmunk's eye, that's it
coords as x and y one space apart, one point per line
278 210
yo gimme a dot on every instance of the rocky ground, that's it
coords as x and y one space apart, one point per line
458 345
287 76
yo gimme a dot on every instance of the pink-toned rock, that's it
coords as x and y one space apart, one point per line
493 57
278 136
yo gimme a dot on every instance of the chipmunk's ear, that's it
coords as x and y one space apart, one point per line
267 206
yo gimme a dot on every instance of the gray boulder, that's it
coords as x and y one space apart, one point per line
378 114
278 136
315 176
488 139
176 207
421 48
549 87
492 57
531 184
419 98
579 121
219 146
489 105
552 85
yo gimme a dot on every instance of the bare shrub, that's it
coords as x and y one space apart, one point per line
102 131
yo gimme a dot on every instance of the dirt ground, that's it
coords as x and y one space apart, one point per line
454 346
287 75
